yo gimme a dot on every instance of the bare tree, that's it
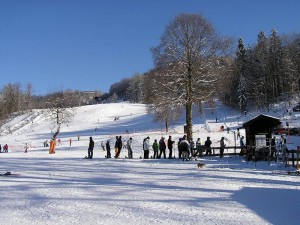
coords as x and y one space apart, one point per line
190 58
135 89
11 97
59 109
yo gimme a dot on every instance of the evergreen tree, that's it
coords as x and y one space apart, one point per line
276 67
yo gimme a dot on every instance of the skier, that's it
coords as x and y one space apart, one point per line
162 147
91 148
146 147
108 155
170 147
26 148
207 145
0 148
155 147
129 147
70 141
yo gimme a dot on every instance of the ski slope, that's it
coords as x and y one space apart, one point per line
64 188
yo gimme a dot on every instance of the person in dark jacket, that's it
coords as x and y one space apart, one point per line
162 147
118 145
222 147
108 155
170 147
208 145
91 148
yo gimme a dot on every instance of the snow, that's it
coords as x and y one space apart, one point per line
66 189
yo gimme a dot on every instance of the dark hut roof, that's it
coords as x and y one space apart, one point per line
269 121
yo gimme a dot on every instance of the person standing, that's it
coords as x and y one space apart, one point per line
91 148
192 145
108 155
242 145
26 148
70 140
129 147
146 147
155 147
170 147
162 147
116 149
198 148
180 146
222 147
118 146
208 145
184 146
238 134
0 148
283 140
273 146
102 146
5 148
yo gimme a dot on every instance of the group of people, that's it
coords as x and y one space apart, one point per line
159 148
185 148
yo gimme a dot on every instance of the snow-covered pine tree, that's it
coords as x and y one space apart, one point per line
242 70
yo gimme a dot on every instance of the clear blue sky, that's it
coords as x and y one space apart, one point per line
91 44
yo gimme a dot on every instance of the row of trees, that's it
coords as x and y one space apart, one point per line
193 64
15 99
265 73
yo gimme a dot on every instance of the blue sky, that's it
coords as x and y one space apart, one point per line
91 44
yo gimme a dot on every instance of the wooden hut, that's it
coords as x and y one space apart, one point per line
260 125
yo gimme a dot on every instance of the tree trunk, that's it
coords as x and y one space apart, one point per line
189 105
189 122
167 125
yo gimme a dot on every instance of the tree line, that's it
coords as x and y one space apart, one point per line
193 63
16 100
265 73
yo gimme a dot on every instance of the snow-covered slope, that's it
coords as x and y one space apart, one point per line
64 188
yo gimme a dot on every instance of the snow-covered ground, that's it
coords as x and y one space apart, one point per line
66 189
